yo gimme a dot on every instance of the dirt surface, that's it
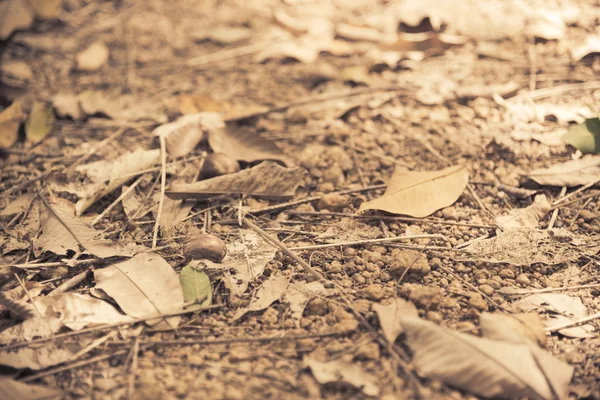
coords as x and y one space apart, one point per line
495 102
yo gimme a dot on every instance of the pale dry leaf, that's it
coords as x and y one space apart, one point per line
547 25
270 291
66 105
14 390
304 51
247 258
10 121
93 58
47 9
591 46
389 316
567 309
44 356
62 231
144 286
268 180
245 145
108 176
420 194
15 15
481 366
125 107
546 246
342 371
183 135
571 173
34 328
76 311
528 329
19 71
17 206
528 217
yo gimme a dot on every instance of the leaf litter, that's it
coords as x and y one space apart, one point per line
404 87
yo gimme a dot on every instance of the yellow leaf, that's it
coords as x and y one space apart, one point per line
39 122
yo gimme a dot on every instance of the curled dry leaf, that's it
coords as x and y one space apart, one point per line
144 286
389 317
571 173
270 291
487 368
14 390
268 180
183 135
420 194
245 145
528 217
62 231
341 371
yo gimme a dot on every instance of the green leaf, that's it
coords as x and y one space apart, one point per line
196 287
585 136
39 122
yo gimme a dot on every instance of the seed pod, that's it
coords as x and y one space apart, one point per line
205 247
217 164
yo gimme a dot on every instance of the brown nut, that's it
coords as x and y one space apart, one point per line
217 164
205 247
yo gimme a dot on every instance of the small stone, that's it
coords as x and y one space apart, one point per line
362 306
523 279
104 384
426 297
270 317
334 267
341 314
414 260
369 351
507 274
379 249
435 263
449 303
350 251
450 213
465 326
359 279
346 326
374 292
371 256
487 290
335 175
587 215
317 306
327 187
434 316
332 202
477 302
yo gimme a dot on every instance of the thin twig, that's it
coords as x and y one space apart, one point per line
575 193
70 263
589 196
368 241
549 290
573 323
555 212
479 201
37 312
26 183
133 370
163 184
74 281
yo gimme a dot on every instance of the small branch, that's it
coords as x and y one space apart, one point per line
163 183
74 281
575 193
37 312
369 241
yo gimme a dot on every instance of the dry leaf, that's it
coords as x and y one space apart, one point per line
247 257
93 58
62 231
420 194
76 311
245 145
571 173
183 135
341 371
547 246
16 306
10 121
17 206
46 9
126 107
305 51
13 390
14 15
485 367
144 286
270 291
39 122
591 46
66 105
34 328
44 356
195 283
389 317
299 294
268 179
566 308
528 217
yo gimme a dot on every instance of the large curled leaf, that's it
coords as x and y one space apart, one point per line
487 368
144 286
420 194
268 179
570 173
196 287
184 134
585 136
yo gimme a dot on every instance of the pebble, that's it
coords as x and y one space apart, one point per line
326 187
270 317
371 256
350 251
374 292
340 314
434 316
379 249
415 261
346 326
487 290
334 267
435 263
333 202
507 274
335 175
427 297
450 213
362 306
317 306
523 279
369 351
477 302
465 326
